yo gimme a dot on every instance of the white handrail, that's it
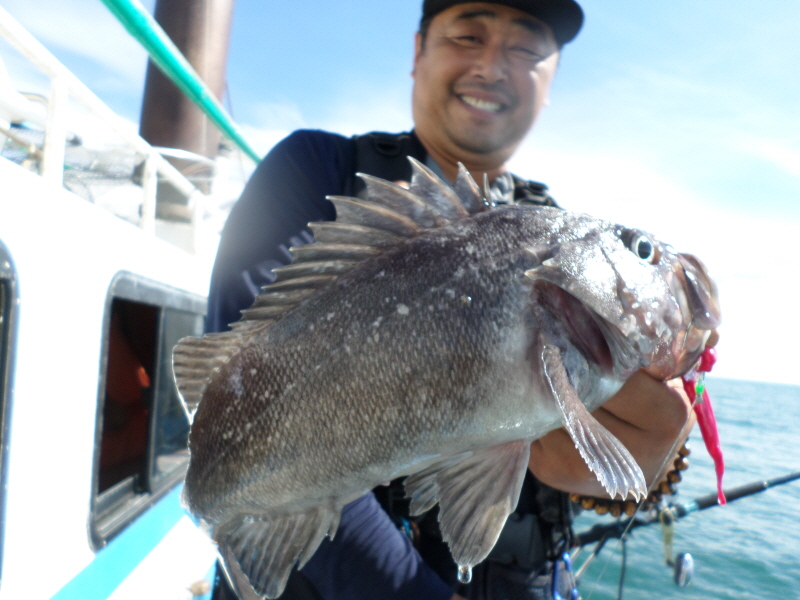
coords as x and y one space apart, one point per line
65 84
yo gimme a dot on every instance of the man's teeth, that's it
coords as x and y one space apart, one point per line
486 105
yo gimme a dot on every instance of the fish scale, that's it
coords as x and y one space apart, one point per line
439 352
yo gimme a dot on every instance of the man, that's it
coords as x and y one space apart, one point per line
482 72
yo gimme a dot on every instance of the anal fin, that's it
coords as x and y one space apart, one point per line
476 492
259 552
605 455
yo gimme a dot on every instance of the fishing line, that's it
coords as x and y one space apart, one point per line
602 533
685 430
622 569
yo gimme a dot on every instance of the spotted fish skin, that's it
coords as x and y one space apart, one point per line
426 335
393 361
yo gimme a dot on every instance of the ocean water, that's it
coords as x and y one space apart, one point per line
748 549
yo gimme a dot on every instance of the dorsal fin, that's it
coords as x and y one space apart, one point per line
306 269
468 192
363 229
372 214
402 201
195 361
425 184
487 193
336 232
366 228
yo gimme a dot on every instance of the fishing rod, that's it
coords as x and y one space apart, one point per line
683 563
602 533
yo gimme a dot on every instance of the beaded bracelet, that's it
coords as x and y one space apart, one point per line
665 487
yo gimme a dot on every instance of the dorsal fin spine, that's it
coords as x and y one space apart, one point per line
439 195
468 191
402 201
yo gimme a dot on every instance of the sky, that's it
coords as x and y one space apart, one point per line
676 117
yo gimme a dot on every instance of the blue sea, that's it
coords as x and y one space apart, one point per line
748 549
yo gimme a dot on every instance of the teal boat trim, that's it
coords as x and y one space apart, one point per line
142 26
114 563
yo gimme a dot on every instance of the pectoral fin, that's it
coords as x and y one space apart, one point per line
605 455
476 492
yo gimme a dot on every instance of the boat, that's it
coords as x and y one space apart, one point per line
99 278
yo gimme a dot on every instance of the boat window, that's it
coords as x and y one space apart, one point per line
170 438
142 432
8 301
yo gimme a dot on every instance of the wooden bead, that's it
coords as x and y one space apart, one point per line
601 508
616 508
629 508
674 477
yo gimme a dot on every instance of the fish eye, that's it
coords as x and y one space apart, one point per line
643 247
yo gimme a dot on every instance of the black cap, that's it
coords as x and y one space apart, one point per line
564 17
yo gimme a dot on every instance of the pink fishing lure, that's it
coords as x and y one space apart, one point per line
694 385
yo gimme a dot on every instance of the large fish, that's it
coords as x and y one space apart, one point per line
428 334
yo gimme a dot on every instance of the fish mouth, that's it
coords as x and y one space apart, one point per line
698 298
577 322
701 292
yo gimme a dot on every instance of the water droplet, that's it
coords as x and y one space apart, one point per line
465 574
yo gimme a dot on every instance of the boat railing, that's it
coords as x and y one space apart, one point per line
65 86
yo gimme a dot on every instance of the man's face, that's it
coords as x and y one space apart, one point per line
480 80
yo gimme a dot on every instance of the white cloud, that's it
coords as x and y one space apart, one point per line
84 28
262 140
366 108
274 115
363 109
269 123
782 153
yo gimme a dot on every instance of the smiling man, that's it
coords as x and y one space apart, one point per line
482 74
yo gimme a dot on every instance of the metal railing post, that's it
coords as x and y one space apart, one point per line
147 219
52 165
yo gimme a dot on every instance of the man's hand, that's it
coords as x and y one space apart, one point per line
646 415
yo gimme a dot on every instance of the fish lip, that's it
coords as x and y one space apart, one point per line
697 314
700 290
579 322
